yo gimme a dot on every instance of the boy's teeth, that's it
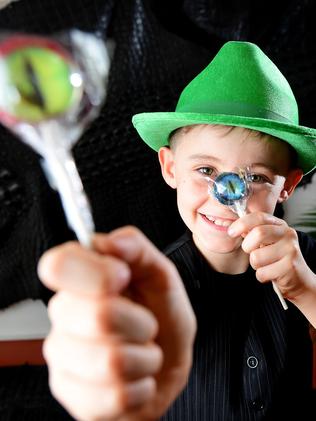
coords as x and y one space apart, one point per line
220 222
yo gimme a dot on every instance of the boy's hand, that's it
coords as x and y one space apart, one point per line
275 255
121 342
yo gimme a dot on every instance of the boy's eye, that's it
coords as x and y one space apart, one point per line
257 178
206 170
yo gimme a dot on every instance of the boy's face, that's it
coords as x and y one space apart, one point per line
206 150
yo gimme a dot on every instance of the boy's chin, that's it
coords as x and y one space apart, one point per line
218 246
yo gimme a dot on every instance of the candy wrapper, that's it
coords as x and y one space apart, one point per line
51 89
233 189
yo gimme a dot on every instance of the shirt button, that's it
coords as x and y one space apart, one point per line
252 362
257 405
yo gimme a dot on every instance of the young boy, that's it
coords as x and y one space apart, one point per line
252 359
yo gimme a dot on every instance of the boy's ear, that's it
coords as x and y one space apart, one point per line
293 178
166 160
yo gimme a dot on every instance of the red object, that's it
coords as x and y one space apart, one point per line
21 352
14 42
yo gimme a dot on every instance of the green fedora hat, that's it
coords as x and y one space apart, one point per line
240 87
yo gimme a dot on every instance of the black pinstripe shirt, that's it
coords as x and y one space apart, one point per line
252 359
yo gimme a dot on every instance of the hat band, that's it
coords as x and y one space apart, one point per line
238 109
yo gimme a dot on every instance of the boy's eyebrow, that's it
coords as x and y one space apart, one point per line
204 156
267 166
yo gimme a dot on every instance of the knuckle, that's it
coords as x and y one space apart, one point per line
260 275
53 385
46 349
121 401
254 259
105 365
154 327
245 246
117 402
133 231
106 368
159 357
293 263
292 234
56 308
259 231
52 307
295 252
113 361
102 318
262 217
110 363
50 350
150 325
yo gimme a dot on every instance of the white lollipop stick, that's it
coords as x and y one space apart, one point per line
63 173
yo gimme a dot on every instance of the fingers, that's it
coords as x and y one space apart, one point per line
246 223
260 229
90 402
269 241
73 268
263 235
97 319
101 363
279 272
105 315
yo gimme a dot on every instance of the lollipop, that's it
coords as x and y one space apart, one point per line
233 189
51 89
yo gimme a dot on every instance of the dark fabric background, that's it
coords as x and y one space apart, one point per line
160 46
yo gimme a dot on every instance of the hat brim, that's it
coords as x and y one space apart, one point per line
155 129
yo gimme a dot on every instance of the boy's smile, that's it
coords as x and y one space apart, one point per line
218 223
201 152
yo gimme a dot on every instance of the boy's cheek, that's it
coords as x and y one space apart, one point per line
263 202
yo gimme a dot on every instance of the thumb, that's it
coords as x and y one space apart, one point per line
145 261
76 269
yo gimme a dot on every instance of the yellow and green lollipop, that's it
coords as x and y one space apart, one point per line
37 76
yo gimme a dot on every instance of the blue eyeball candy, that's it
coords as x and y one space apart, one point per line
229 187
